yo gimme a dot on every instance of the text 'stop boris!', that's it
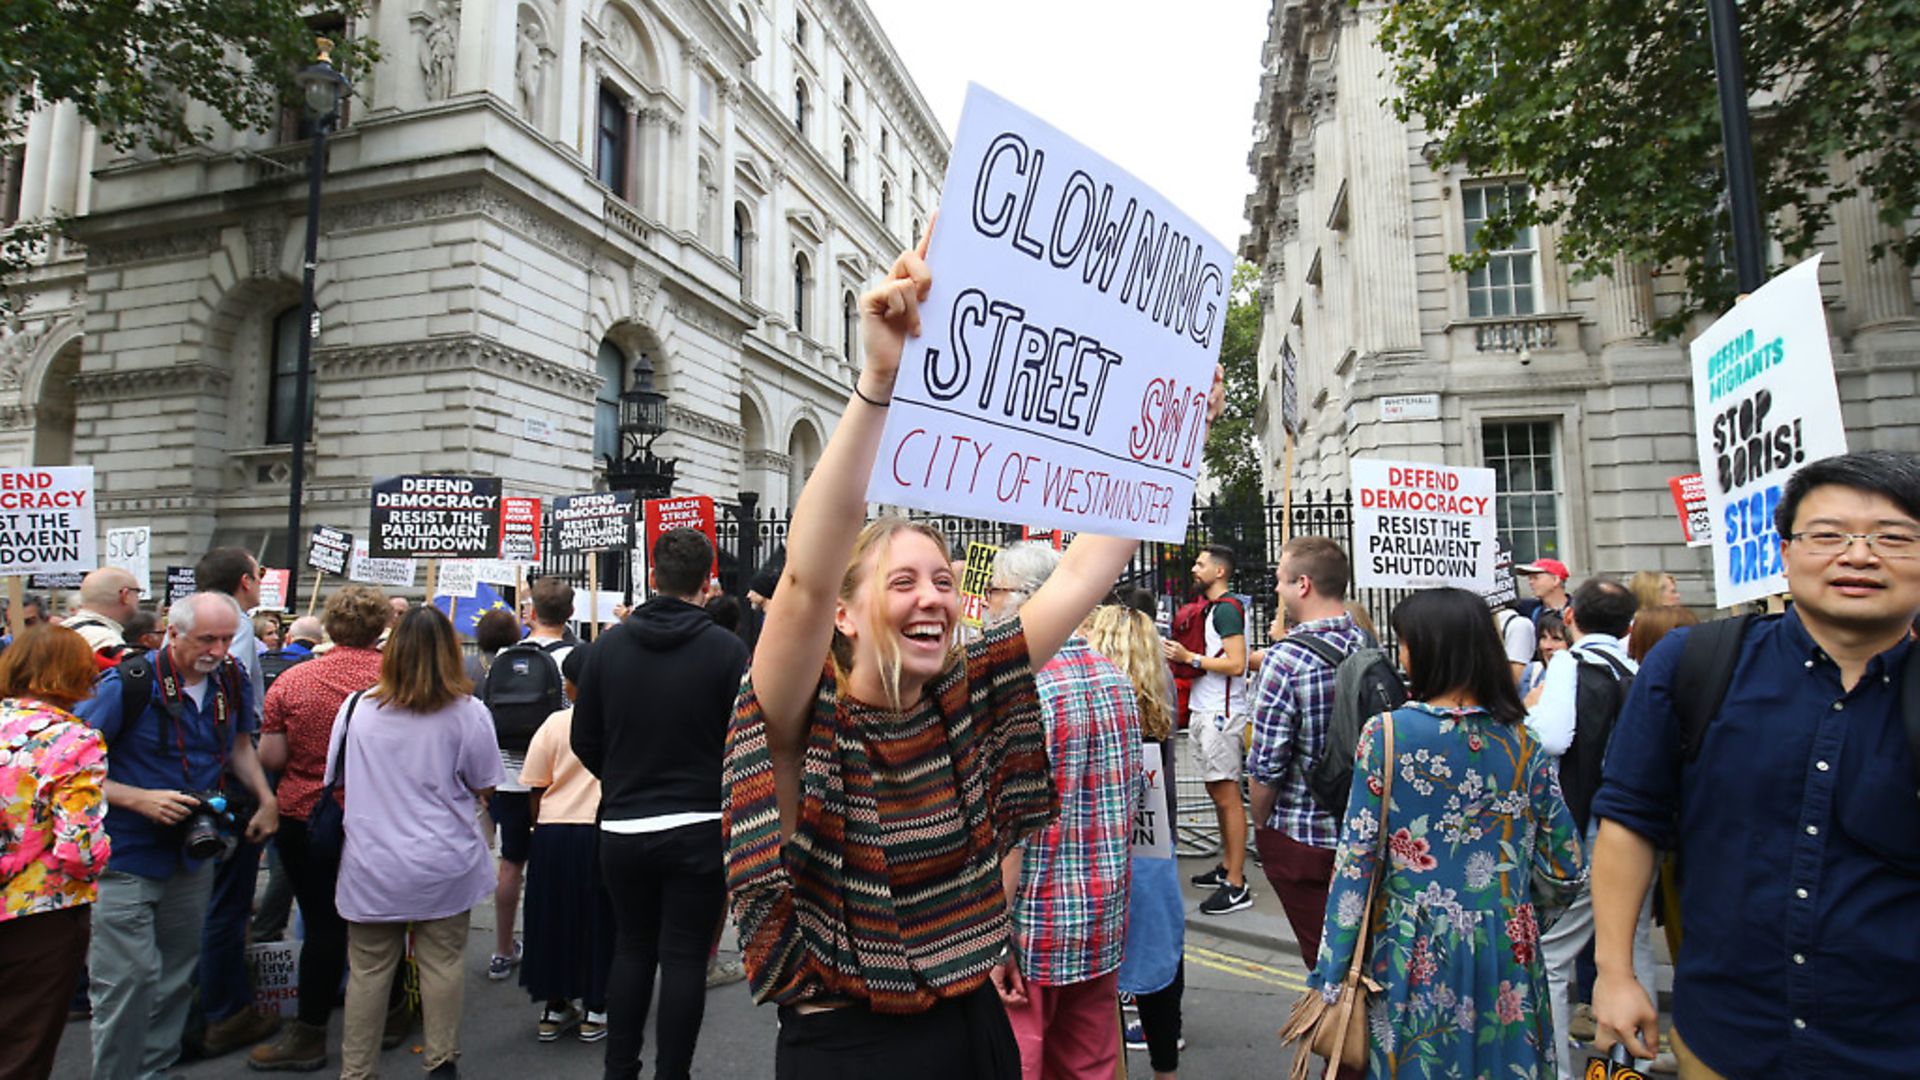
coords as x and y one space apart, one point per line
1068 345
436 517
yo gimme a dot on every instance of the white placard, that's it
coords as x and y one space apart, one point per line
1765 404
499 571
457 577
1417 526
275 966
1152 826
609 599
1068 344
364 568
1405 408
131 550
47 523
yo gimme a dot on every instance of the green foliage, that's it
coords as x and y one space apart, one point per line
1608 108
134 67
1232 452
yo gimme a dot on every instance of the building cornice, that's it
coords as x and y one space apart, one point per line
148 382
457 354
682 419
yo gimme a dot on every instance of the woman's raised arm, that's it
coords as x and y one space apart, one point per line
830 513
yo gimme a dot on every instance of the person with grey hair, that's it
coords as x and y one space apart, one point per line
1067 885
304 634
190 720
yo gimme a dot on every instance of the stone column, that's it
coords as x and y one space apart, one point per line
778 248
1879 292
690 128
1379 195
38 165
632 186
725 93
63 158
471 67
1626 303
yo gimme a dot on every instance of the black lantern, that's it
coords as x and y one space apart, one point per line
643 418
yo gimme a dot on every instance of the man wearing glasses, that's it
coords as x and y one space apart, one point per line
1796 822
108 598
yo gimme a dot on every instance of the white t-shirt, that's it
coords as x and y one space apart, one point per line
1519 634
1215 693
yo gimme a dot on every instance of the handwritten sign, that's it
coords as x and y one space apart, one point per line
390 572
520 530
1068 344
458 577
47 521
1417 526
597 521
1690 499
436 517
1152 826
131 549
1765 403
973 586
328 550
687 512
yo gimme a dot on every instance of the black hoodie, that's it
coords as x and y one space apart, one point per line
655 701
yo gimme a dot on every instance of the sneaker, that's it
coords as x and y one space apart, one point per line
501 967
444 1071
555 1024
242 1029
725 972
593 1027
1580 1025
1212 879
298 1048
1226 900
1137 1037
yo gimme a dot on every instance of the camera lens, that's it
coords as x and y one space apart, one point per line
203 838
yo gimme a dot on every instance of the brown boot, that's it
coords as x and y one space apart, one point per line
243 1028
300 1048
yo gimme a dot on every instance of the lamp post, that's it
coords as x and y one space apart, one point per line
322 86
1743 198
643 418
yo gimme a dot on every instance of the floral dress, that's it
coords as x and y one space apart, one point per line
1477 825
52 842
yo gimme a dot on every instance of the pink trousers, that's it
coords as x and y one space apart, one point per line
1070 1031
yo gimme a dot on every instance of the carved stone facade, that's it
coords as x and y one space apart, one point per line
1554 382
527 199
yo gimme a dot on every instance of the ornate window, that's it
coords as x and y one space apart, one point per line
849 323
1524 457
742 229
283 374
801 106
610 145
800 30
802 289
611 365
846 160
1505 286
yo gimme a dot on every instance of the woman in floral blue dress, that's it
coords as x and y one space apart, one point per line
1477 825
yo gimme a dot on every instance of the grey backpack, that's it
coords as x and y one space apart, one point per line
1365 684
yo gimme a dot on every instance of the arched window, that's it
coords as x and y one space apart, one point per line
849 323
886 203
741 228
610 144
846 160
802 277
800 106
611 365
283 376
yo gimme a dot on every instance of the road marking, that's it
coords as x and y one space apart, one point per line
1245 968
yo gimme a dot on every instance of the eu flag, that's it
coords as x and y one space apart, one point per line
466 611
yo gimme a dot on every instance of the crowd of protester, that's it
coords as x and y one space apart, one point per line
928 835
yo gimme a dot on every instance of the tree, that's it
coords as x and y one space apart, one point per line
1608 109
1232 452
136 69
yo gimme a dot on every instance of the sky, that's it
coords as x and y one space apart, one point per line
1167 96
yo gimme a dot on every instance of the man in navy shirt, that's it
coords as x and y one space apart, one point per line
153 896
1797 827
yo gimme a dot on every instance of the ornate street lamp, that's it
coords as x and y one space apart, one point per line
643 418
323 88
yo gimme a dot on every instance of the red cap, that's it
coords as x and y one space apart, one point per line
1544 566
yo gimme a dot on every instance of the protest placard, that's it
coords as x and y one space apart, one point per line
328 550
1068 344
1417 526
596 607
54 582
47 522
180 584
1152 827
275 966
973 586
1690 499
1505 589
273 589
686 512
436 517
364 568
131 549
500 571
520 529
458 577
1765 403
596 521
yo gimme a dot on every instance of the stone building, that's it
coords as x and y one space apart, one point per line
526 201
1555 383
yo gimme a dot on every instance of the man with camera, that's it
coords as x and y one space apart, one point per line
175 721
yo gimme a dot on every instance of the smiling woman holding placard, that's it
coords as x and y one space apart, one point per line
878 772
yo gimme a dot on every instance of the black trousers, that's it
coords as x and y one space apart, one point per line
40 959
323 954
1160 1020
669 894
963 1038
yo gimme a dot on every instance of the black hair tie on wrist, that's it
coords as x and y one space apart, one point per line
863 397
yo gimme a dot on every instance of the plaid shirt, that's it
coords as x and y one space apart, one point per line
1292 701
1070 920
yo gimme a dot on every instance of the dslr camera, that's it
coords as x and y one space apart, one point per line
209 825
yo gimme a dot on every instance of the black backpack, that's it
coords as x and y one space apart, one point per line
1365 684
523 688
1601 689
275 661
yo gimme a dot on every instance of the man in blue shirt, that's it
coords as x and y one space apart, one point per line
153 896
1796 826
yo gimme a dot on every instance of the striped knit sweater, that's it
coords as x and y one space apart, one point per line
889 891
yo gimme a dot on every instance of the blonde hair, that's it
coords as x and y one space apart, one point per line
868 548
1130 639
1646 586
422 670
